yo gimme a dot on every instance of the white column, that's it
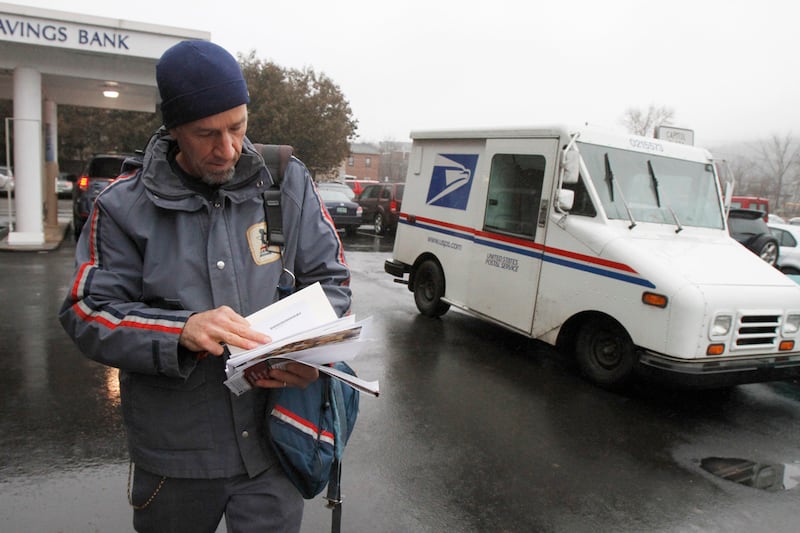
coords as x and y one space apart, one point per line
27 161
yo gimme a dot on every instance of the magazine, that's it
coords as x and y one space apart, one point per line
304 328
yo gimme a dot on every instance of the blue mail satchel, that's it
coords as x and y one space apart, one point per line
309 429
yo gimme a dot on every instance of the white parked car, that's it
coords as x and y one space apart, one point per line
6 180
64 185
788 236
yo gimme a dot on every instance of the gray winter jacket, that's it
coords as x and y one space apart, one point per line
153 253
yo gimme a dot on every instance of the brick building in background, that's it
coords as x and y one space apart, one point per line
364 162
387 162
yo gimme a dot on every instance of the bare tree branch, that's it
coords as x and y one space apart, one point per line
778 163
645 123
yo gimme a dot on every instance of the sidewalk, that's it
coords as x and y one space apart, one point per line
53 237
54 234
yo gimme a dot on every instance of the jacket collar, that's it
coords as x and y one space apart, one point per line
250 178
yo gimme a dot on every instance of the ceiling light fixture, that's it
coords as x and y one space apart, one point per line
110 89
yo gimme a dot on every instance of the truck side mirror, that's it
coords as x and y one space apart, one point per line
570 167
728 195
566 198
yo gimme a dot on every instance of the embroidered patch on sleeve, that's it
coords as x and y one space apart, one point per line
257 239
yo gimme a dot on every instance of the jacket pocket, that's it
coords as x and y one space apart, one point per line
164 413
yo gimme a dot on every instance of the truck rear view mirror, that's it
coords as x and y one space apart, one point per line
566 198
570 167
728 195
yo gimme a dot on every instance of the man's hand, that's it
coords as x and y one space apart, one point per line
206 332
291 375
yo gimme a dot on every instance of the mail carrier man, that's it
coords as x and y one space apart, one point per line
173 258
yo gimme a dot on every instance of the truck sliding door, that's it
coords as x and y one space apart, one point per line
507 258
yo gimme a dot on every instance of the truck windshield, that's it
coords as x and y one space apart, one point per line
652 188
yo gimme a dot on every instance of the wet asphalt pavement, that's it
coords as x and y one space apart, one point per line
476 429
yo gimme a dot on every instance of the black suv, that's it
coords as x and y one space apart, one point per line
748 227
381 204
99 172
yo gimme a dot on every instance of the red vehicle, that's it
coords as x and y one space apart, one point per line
358 185
381 204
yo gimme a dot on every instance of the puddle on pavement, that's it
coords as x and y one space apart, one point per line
765 476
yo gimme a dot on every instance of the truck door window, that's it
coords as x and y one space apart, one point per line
515 191
582 204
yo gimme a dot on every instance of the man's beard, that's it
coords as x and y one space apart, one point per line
218 178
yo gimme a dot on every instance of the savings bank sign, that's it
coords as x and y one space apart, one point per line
76 36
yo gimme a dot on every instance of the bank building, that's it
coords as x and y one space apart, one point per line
50 58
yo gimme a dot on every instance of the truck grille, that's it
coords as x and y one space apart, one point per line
756 331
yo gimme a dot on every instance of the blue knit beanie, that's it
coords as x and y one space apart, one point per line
197 79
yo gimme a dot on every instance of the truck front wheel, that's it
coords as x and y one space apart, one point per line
605 352
429 289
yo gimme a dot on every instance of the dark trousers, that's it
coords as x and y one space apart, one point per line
269 502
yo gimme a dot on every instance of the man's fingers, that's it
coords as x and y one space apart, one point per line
272 384
206 331
295 375
291 375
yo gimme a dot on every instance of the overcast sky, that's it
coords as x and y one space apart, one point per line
729 69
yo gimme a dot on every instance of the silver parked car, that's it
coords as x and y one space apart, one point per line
64 184
6 180
346 214
788 236
337 186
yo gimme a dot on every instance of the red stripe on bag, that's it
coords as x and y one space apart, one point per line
301 424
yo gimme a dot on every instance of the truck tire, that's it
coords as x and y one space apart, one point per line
429 289
605 352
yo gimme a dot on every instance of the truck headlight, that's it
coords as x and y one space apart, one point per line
792 325
721 326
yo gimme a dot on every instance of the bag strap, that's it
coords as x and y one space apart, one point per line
274 216
276 158
334 494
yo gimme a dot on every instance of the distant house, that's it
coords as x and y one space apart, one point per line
387 162
364 162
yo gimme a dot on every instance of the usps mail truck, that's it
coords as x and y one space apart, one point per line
612 248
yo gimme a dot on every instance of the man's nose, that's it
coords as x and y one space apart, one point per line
226 147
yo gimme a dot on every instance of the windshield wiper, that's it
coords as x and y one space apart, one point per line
677 222
609 178
654 181
611 182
